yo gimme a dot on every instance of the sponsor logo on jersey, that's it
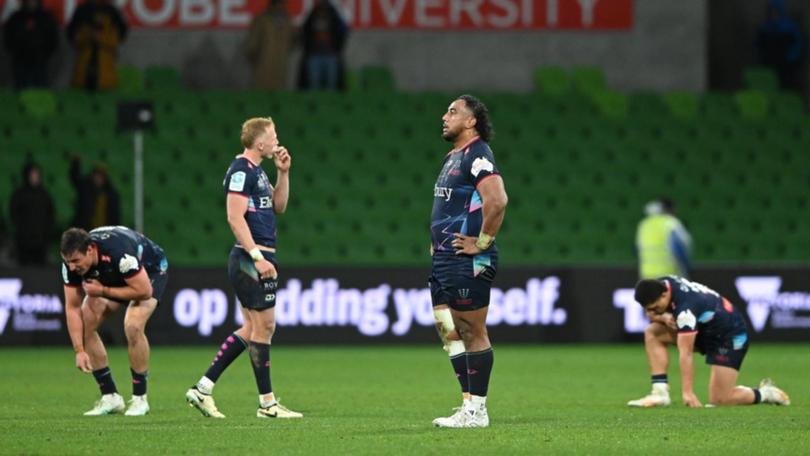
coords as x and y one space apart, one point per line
237 182
481 164
442 192
128 264
687 320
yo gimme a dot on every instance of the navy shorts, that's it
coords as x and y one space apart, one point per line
253 292
462 282
159 284
729 353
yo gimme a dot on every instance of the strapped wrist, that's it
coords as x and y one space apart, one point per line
484 241
256 254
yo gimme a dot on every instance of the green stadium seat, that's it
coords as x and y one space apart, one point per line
553 81
162 78
375 78
761 78
752 104
38 103
588 80
130 81
682 105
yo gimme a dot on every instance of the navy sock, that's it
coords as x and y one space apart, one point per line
260 360
479 368
105 381
459 363
138 382
757 395
659 378
231 348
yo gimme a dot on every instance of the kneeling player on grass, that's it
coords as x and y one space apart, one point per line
103 270
692 316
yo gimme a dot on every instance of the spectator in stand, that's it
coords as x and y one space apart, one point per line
96 30
96 198
268 46
31 37
324 36
32 218
780 44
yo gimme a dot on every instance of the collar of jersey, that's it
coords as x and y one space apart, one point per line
247 158
474 139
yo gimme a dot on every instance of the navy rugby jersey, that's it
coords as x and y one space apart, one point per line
698 308
456 202
122 253
248 179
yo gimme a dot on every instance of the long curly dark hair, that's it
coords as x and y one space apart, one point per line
483 125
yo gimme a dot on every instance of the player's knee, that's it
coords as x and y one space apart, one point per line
90 321
134 331
263 331
721 399
444 323
269 326
246 330
655 332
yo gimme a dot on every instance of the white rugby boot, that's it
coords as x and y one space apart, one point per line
109 403
476 416
203 402
457 420
138 406
771 394
276 410
658 397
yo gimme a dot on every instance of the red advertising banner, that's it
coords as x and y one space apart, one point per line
372 14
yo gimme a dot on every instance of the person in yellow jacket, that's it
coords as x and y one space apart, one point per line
96 30
662 243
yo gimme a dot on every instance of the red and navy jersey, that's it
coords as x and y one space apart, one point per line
249 180
699 309
456 202
122 253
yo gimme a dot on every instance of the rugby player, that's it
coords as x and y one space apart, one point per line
469 202
693 317
106 269
252 204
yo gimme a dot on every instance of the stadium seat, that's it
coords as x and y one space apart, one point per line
39 103
752 104
553 81
375 78
162 78
761 78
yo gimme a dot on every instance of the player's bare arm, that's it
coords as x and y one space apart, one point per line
281 192
75 325
236 207
686 348
137 288
665 318
494 201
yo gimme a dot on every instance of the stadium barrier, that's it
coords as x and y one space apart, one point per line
392 305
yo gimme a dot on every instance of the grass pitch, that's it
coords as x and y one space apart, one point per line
381 400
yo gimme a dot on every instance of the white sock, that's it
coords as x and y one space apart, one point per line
478 401
267 403
205 385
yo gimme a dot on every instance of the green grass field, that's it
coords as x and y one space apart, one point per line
381 400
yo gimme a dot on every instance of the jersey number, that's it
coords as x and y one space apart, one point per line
687 285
